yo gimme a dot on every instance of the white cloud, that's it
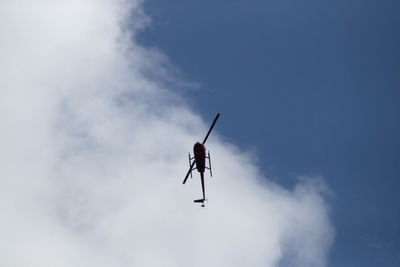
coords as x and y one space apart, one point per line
94 150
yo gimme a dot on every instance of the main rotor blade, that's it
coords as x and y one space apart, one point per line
212 126
205 139
190 169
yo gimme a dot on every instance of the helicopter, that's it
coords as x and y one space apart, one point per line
199 158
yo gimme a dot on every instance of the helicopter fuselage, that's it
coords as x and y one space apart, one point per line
199 151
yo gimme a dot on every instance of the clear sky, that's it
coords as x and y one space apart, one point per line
313 86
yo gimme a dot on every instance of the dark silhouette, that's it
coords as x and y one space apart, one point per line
199 151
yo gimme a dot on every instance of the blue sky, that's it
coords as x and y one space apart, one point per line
314 87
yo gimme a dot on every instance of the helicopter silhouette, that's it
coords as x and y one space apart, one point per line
199 158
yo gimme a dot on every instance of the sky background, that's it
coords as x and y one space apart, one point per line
313 88
100 101
95 130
